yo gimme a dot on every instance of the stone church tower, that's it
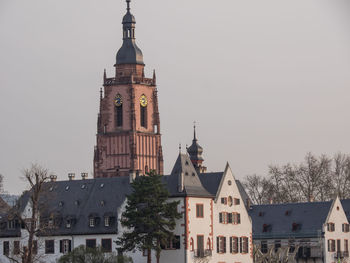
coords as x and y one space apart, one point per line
128 126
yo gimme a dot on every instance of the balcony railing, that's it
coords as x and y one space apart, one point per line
202 253
341 254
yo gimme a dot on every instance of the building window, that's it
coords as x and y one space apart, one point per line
6 248
171 243
266 228
244 245
106 245
346 245
263 247
221 244
229 218
49 246
91 243
224 200
143 116
107 221
331 245
237 201
199 210
91 222
16 248
345 227
277 245
236 218
330 227
65 246
234 245
119 115
11 224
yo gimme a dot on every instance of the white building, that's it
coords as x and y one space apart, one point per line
215 226
321 229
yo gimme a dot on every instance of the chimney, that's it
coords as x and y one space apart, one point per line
248 204
311 199
53 178
181 183
71 176
84 175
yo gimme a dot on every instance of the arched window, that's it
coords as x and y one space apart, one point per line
119 116
143 117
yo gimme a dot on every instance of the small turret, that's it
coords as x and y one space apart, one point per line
195 152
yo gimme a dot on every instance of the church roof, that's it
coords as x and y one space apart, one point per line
292 220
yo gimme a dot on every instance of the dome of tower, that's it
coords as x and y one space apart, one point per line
129 53
129 18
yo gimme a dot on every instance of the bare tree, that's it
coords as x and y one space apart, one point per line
281 255
27 213
314 179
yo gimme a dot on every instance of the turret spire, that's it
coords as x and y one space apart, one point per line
194 131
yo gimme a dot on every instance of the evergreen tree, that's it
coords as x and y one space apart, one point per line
149 216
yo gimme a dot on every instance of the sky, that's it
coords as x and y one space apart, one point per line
266 81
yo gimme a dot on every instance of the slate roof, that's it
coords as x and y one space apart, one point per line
346 206
279 219
78 200
192 184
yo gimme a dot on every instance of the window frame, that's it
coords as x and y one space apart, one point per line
49 246
199 215
109 247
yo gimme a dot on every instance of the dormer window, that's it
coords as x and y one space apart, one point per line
68 224
261 214
288 212
296 227
50 222
92 222
267 228
107 221
11 224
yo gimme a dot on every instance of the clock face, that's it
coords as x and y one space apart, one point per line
118 100
143 100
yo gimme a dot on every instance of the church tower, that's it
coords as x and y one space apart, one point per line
128 125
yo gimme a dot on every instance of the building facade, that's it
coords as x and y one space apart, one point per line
320 230
128 125
215 226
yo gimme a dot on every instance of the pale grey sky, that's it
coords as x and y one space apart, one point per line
266 80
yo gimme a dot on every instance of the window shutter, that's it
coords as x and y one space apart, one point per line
224 244
69 245
238 218
217 245
230 244
61 246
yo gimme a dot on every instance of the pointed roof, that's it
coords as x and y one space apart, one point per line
195 150
192 185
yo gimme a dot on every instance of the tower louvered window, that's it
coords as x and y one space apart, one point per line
119 115
143 116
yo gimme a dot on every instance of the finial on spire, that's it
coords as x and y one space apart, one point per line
104 76
180 148
128 5
194 131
